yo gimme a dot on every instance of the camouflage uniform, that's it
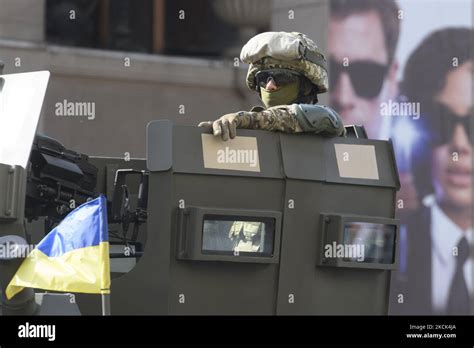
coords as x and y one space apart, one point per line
288 51
284 118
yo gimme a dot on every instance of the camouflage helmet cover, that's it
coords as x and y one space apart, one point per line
283 50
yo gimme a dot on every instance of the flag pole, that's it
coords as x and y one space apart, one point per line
105 303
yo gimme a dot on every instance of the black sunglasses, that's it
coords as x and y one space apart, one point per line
367 77
440 122
281 77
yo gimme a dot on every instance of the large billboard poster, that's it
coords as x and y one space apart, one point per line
403 69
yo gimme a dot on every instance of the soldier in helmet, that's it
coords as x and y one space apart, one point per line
288 71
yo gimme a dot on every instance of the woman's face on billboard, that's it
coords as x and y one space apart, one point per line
452 161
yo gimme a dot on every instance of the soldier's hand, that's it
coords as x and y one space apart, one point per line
225 126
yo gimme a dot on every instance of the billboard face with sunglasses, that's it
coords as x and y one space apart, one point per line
434 150
362 70
436 274
448 125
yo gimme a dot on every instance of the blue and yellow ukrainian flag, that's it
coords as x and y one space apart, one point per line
73 257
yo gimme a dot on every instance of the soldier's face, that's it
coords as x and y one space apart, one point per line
452 162
358 40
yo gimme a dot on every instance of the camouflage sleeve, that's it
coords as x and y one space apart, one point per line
295 118
277 118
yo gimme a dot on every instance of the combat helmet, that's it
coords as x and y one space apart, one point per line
284 50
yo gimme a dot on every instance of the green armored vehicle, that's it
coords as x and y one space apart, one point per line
265 223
